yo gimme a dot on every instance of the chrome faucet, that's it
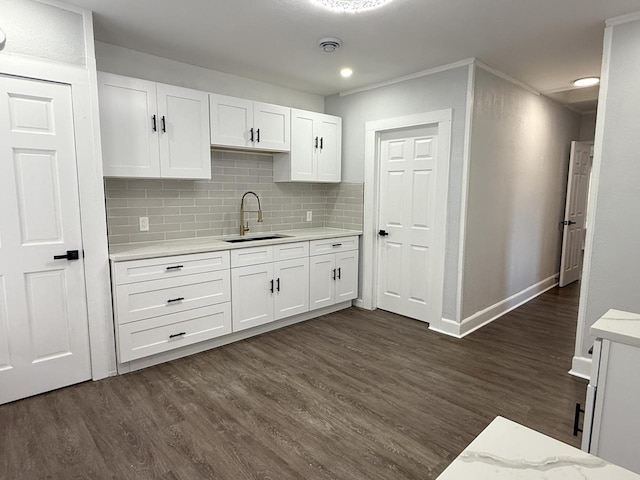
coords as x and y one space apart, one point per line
244 229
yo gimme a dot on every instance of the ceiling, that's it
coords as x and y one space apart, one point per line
544 43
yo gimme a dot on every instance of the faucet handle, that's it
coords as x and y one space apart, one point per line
246 228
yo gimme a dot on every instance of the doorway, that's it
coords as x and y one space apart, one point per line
44 339
406 186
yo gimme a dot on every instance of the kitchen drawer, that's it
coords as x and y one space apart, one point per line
251 256
333 245
141 300
156 335
169 267
289 251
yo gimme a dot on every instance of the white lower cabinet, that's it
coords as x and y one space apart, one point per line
270 291
161 304
333 278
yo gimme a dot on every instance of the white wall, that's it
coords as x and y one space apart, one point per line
519 158
124 61
38 30
612 263
438 91
587 127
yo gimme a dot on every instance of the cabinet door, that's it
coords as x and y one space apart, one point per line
272 127
231 120
185 148
292 287
128 124
330 149
346 276
322 284
304 166
252 298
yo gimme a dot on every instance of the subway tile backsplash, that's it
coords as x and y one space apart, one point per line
201 208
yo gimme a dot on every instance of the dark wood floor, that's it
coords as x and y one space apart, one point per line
353 395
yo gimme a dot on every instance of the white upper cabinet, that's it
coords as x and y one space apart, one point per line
239 123
152 130
316 150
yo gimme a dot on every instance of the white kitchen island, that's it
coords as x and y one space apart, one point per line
508 450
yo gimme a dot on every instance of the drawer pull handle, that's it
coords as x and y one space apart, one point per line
177 334
278 283
175 267
339 273
334 274
173 300
337 244
271 286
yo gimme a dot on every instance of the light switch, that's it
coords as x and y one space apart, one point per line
144 224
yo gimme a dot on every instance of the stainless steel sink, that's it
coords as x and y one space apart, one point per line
255 238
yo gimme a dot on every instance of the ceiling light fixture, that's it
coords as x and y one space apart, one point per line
586 82
346 72
351 6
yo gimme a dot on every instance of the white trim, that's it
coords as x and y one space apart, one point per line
631 17
506 77
593 195
358 302
581 367
63 6
90 184
369 254
466 162
226 339
495 311
424 73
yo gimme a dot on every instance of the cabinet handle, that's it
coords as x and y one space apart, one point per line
339 273
576 420
337 245
173 300
175 267
316 143
164 125
154 125
271 286
251 135
278 283
177 334
321 143
258 135
334 273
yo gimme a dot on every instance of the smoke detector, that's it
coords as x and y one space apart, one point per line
330 44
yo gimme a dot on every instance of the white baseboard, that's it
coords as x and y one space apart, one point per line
225 340
358 302
581 367
495 311
447 327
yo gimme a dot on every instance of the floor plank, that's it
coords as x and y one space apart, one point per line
351 395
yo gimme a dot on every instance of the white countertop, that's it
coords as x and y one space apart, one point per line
618 326
139 251
508 450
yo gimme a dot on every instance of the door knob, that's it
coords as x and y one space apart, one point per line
569 222
70 255
383 233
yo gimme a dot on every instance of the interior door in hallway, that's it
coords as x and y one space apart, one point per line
44 342
408 189
575 212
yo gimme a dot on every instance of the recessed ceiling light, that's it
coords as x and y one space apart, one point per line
586 82
346 72
350 6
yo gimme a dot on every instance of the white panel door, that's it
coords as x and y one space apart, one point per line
272 127
129 126
185 147
330 149
292 287
304 146
406 214
231 121
575 212
44 342
346 276
252 291
322 281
